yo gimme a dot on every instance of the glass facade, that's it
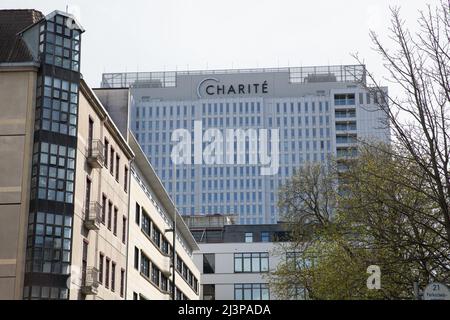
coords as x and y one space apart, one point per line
306 135
50 223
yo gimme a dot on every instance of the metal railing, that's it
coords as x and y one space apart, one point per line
165 79
92 216
95 153
89 281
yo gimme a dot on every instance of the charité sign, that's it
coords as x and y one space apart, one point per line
211 87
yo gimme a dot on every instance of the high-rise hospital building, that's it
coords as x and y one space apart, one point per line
320 112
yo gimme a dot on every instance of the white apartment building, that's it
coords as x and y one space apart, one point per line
234 260
150 241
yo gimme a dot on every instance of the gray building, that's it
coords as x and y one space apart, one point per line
318 113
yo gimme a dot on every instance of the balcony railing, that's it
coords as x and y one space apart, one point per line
95 154
89 285
92 216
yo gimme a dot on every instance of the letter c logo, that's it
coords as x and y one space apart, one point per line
202 82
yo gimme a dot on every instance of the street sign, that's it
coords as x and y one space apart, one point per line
436 291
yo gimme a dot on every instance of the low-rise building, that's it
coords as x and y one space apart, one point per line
235 260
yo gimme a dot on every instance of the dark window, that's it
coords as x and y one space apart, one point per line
248 237
124 229
164 285
209 263
145 265
185 272
88 194
115 221
136 258
122 282
109 214
125 179
178 294
156 236
113 276
106 152
84 262
90 135
265 236
117 167
209 292
195 285
146 223
155 275
103 209
108 261
179 264
100 268
138 214
165 246
111 165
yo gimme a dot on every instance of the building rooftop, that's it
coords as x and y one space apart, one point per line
164 79
12 22
218 228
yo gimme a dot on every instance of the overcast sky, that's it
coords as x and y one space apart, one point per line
158 35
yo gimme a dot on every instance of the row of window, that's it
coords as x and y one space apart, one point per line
109 217
187 274
179 295
107 274
349 99
251 291
149 228
243 262
111 157
229 108
141 125
242 291
251 262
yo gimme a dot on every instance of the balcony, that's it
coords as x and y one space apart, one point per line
166 266
95 155
92 216
89 281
